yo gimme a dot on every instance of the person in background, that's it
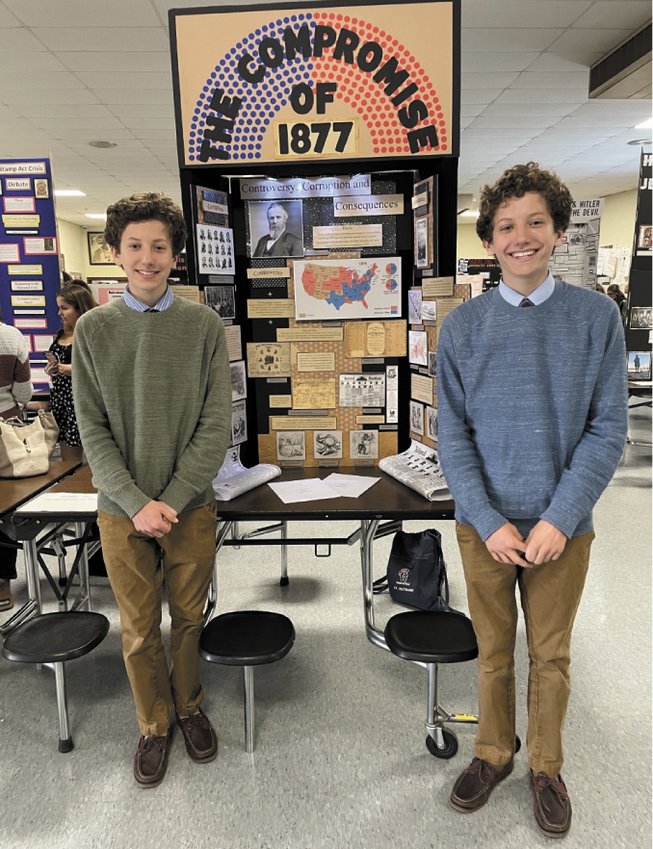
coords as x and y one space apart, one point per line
73 300
532 415
153 396
15 389
620 300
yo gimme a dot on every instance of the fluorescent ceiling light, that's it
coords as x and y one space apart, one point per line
645 125
469 213
100 215
69 193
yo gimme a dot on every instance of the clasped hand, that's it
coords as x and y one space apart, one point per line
155 519
544 543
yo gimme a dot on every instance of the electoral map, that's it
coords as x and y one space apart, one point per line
347 288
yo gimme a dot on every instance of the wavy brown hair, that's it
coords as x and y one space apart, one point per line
515 183
145 206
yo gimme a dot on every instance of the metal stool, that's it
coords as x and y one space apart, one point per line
52 639
247 638
430 638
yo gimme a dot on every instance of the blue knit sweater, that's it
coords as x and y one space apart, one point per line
532 408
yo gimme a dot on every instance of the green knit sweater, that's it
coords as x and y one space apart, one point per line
153 403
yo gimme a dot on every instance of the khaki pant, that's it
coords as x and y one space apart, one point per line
550 595
137 565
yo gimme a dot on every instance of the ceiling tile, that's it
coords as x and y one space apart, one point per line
497 62
578 81
489 14
104 39
595 40
629 14
82 13
134 96
520 41
153 62
140 82
19 41
476 81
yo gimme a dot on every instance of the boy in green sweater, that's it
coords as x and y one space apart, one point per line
151 386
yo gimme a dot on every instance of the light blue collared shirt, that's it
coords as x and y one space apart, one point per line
536 297
164 302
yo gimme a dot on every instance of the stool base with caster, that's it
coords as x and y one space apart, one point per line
247 638
430 638
52 639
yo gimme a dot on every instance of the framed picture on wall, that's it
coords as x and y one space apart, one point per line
99 252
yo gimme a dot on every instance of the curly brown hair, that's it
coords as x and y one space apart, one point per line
145 206
515 183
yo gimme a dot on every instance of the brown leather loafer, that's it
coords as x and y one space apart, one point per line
474 785
151 759
199 736
551 804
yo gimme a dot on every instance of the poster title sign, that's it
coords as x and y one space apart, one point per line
316 187
337 82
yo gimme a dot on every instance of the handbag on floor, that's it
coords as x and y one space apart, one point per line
417 573
26 447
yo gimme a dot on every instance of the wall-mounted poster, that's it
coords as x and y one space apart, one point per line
99 253
275 228
286 85
347 288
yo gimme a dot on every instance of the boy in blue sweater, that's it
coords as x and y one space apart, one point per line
532 410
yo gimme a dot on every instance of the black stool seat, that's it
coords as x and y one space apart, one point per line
431 637
247 638
55 637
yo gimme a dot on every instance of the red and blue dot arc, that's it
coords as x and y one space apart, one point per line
356 89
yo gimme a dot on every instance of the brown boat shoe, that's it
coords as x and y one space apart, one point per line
475 784
151 758
551 804
199 736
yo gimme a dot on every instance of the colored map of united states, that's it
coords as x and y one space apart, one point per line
337 285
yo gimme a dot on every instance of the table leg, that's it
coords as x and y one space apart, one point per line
368 531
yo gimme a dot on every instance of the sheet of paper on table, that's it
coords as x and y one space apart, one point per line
350 486
314 489
61 502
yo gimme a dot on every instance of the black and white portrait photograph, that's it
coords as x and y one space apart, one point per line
222 299
276 228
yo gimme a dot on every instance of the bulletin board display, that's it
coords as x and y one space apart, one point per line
29 256
286 84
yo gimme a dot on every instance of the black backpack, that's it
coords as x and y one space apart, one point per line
417 573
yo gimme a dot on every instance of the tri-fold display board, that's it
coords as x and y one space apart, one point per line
318 154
